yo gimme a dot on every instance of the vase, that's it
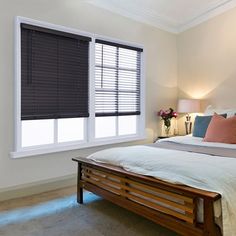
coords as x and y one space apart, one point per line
167 126
167 131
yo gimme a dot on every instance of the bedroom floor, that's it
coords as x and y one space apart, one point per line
57 213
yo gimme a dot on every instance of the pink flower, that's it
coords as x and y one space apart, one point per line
160 113
174 114
167 114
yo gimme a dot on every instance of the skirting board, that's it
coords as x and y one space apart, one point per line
37 187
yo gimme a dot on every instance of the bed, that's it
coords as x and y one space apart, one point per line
186 198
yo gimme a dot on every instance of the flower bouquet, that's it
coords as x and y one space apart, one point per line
166 116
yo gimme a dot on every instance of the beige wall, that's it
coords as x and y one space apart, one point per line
207 61
161 77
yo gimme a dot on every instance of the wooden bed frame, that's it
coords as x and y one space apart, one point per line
169 205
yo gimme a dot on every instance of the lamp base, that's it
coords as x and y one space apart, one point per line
188 127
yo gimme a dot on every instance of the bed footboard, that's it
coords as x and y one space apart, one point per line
169 205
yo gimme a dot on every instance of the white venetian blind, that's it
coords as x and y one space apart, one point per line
118 73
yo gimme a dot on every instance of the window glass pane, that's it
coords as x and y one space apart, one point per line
98 57
106 102
37 132
105 126
109 55
71 129
127 125
105 79
128 80
127 102
127 58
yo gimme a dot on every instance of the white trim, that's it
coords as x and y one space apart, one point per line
91 119
141 118
69 147
164 23
158 21
17 80
210 13
21 19
55 127
89 123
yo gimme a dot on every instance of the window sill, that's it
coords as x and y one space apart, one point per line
36 151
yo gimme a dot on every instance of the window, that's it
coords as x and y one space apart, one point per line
74 91
54 86
117 84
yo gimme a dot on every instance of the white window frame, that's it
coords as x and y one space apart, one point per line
89 124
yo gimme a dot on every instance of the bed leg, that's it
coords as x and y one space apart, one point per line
79 184
210 228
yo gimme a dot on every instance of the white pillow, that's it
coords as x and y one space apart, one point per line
210 110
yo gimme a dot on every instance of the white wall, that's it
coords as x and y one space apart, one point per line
206 63
161 77
207 58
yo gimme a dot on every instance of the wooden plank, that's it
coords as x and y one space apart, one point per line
171 222
79 187
209 227
187 218
104 179
113 190
188 208
161 191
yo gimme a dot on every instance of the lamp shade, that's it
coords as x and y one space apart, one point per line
188 106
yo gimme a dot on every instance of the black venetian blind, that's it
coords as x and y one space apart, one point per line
54 74
117 79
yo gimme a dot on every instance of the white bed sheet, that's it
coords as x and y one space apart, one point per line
189 139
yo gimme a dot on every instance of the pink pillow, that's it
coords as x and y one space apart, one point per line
221 130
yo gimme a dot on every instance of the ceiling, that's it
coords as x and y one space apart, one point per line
172 15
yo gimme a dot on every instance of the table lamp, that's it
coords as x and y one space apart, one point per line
188 106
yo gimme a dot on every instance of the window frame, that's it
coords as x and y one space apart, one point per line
89 123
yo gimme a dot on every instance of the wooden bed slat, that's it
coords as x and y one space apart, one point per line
104 178
187 218
106 187
161 191
188 208
122 187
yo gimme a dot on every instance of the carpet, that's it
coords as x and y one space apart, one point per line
62 216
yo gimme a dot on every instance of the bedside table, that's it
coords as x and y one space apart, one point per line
162 137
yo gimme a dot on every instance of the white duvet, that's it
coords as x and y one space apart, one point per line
189 139
202 171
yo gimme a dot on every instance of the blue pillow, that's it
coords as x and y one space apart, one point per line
201 124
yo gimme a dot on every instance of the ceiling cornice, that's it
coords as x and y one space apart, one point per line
164 23
208 14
